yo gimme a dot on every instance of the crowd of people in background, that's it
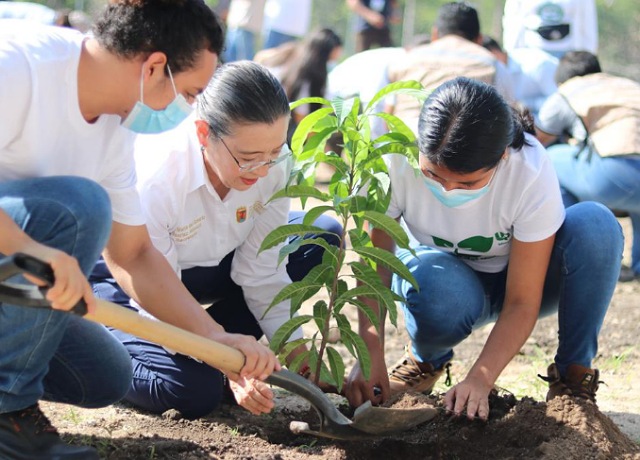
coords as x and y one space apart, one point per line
541 152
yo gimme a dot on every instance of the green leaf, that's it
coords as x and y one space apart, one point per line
288 249
296 363
284 232
337 367
396 124
389 260
320 314
288 347
303 288
389 225
307 125
300 191
315 212
368 312
309 100
285 331
362 352
391 88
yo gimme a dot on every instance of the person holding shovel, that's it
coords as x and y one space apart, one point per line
206 189
67 188
495 246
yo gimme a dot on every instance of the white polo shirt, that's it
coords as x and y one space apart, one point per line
193 227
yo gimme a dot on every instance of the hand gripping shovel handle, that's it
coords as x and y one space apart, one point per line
112 315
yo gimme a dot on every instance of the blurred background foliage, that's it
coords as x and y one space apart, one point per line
619 34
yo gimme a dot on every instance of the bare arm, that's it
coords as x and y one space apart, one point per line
528 264
372 17
145 275
545 138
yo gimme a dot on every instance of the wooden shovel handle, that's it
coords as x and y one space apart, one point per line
209 351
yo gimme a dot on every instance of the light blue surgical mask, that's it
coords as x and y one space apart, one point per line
455 197
144 120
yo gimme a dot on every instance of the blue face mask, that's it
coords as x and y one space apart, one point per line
144 120
455 197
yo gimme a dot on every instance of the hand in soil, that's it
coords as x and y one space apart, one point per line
254 395
470 396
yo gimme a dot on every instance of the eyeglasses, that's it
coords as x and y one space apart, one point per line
248 167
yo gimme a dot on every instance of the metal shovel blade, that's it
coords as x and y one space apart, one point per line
368 422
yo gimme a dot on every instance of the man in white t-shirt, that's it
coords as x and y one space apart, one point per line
67 189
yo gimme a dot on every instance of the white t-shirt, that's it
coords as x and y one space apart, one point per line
43 132
289 17
522 18
532 73
363 75
29 11
193 227
246 14
523 202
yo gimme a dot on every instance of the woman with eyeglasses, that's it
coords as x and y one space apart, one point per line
495 246
205 190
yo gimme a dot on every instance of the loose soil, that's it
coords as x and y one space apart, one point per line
521 426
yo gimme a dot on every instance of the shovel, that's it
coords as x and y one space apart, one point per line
368 421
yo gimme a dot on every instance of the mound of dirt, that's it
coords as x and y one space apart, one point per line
564 428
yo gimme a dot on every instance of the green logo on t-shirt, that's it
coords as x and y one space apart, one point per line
476 244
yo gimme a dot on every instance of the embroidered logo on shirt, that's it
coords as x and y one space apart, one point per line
241 214
258 207
186 232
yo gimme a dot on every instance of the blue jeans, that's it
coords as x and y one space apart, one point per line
239 45
275 39
454 299
612 181
162 380
51 354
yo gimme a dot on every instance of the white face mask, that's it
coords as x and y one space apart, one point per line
144 120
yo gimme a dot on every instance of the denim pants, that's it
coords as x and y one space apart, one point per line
454 299
239 45
51 354
274 39
163 380
612 181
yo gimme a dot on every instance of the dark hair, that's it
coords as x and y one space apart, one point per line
465 126
490 44
458 18
576 64
241 92
309 65
181 29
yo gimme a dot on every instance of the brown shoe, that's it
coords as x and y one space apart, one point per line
580 381
408 374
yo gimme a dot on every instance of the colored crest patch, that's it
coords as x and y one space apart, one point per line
241 214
